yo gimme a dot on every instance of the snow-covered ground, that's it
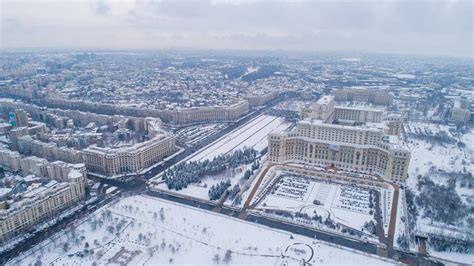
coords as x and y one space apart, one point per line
252 135
149 231
200 190
449 158
345 204
440 162
452 256
193 134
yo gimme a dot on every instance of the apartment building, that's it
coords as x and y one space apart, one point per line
40 203
83 112
59 170
210 114
374 96
256 100
128 159
29 146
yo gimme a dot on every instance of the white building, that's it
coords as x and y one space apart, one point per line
460 112
374 96
371 148
39 204
326 110
129 159
208 114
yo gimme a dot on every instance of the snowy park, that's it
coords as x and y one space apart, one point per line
439 195
149 231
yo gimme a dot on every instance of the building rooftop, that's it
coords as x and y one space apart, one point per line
326 99
374 127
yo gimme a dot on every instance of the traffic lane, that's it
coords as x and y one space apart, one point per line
181 200
362 246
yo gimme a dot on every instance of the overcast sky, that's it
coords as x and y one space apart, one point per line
419 27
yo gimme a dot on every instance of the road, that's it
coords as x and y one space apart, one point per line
255 188
378 219
393 215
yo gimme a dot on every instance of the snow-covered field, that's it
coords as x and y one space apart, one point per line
149 231
252 135
345 204
449 158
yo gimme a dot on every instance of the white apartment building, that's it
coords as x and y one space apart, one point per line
59 170
129 159
40 203
210 114
28 145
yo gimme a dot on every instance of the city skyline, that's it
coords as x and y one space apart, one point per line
236 132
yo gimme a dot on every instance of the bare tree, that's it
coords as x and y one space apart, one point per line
227 256
216 259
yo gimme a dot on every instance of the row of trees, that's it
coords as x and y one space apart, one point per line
412 214
443 243
441 137
403 242
317 218
185 173
370 227
249 172
216 191
234 194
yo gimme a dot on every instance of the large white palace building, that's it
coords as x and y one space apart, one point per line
353 140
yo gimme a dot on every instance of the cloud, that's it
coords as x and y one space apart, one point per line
435 27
